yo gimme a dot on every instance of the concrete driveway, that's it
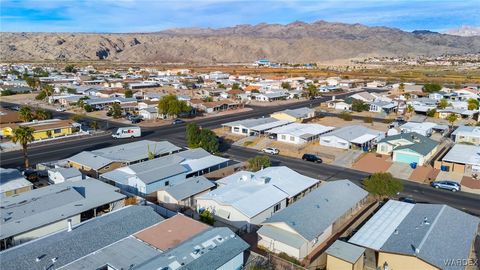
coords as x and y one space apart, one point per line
400 170
348 158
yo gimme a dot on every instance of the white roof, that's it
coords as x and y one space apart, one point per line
271 125
364 138
12 179
301 130
418 126
464 154
382 225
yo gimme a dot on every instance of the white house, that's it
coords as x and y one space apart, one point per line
246 198
311 221
298 133
150 113
356 136
60 175
467 134
254 126
424 128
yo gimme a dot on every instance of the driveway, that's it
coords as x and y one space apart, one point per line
348 158
400 170
372 163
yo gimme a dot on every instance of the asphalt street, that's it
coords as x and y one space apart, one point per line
176 134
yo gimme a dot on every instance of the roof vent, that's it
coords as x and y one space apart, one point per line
396 231
318 206
54 259
425 221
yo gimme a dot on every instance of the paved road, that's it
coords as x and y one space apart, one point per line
175 134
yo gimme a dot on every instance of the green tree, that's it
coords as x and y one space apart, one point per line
431 113
23 135
169 105
32 82
41 114
70 69
94 125
39 72
7 92
204 138
311 91
222 86
88 108
258 162
431 87
410 108
401 87
235 86
443 104
382 184
286 85
473 104
207 217
128 93
359 106
116 110
452 118
26 114
345 116
151 154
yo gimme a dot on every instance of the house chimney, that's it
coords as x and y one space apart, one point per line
69 221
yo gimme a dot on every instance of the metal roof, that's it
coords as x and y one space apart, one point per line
189 188
85 239
129 152
470 131
208 250
11 179
301 130
345 251
67 172
464 154
419 143
39 207
350 133
313 214
291 239
258 124
303 112
422 231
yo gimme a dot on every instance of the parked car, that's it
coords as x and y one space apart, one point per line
178 122
271 150
407 200
449 185
60 109
312 158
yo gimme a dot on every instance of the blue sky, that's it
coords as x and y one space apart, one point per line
155 15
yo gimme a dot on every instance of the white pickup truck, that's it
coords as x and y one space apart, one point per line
127 132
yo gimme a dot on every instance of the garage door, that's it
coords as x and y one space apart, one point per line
406 158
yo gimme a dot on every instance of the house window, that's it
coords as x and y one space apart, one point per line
236 129
383 148
244 130
277 207
292 138
284 137
58 130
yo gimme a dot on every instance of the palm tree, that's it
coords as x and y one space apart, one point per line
48 90
26 114
23 135
42 114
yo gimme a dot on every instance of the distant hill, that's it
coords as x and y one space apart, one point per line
296 42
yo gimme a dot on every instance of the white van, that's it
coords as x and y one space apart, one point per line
127 132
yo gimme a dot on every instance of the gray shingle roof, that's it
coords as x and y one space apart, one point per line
420 144
345 251
84 239
39 207
312 214
68 172
209 256
190 187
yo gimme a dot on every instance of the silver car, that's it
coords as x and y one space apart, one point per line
448 185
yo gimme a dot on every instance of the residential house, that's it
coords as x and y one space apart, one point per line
408 148
364 96
184 195
60 175
214 106
345 256
382 106
254 126
94 163
298 133
295 115
462 158
466 134
99 243
44 129
339 104
12 182
270 96
246 198
33 214
311 221
349 137
423 128
413 236
150 176
460 113
423 105
149 113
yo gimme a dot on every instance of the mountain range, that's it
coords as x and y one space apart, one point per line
297 42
